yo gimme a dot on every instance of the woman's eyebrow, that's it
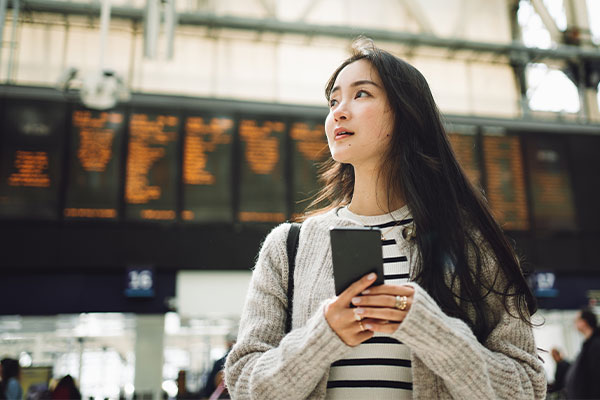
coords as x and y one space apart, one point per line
356 83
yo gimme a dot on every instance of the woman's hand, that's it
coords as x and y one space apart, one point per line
343 320
384 307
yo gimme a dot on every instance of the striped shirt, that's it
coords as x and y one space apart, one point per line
378 368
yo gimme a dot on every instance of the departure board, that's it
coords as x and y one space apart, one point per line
309 149
31 156
207 166
262 186
551 191
94 163
505 181
151 171
465 148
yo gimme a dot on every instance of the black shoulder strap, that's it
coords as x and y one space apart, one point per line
292 249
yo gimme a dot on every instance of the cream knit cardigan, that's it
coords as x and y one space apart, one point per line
447 360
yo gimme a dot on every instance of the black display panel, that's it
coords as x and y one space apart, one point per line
262 186
151 171
584 167
550 185
207 161
32 135
509 174
309 148
466 151
505 181
95 151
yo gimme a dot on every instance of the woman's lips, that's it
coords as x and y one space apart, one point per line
342 133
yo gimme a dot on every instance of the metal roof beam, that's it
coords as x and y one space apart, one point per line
414 9
308 9
555 33
512 50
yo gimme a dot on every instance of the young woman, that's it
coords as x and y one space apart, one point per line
451 320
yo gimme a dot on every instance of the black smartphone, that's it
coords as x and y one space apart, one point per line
356 251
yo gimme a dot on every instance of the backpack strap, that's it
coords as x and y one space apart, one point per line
292 249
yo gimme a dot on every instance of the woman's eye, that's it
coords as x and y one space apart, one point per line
361 93
332 102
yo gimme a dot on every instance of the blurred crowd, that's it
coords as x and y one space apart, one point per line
579 379
11 389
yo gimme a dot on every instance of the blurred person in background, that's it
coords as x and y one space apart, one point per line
66 389
562 366
11 376
215 385
583 377
452 319
182 392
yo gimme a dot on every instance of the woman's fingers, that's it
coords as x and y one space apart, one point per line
379 309
384 303
384 300
396 290
374 301
375 325
348 326
380 313
355 289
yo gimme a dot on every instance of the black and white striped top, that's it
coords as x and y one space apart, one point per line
380 367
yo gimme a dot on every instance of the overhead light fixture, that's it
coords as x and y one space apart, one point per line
98 90
101 88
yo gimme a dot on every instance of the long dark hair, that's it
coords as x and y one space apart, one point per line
457 237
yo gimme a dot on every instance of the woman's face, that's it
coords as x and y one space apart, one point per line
360 121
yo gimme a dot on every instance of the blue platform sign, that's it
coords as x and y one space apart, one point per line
556 291
140 282
545 285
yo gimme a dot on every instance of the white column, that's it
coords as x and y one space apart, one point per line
578 17
592 102
149 345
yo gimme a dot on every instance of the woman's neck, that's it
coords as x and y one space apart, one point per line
371 195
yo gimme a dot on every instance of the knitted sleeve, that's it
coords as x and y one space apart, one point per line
265 364
505 367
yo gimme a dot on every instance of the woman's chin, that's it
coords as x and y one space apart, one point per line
342 160
343 157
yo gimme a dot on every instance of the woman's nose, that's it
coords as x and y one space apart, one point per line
341 113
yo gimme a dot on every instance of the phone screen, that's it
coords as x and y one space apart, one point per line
356 251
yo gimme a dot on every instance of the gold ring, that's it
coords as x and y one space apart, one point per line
401 302
362 328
